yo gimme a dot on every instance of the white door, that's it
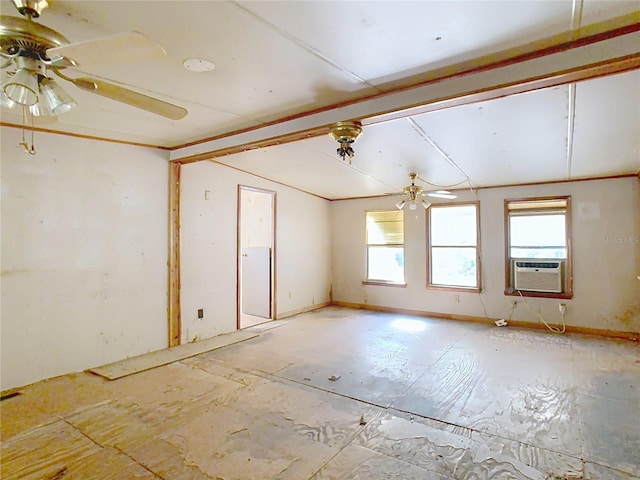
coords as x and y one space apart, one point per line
256 256
256 281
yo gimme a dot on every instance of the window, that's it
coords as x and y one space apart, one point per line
385 247
453 238
538 247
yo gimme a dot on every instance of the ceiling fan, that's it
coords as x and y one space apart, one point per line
30 52
413 195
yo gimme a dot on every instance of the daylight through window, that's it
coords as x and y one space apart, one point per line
537 240
453 246
385 246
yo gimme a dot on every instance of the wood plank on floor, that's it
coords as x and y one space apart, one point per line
263 327
140 363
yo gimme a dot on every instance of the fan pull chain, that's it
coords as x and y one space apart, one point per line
30 149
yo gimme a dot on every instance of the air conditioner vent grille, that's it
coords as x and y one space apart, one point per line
538 276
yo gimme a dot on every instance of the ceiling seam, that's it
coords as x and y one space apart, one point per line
592 34
576 17
577 7
444 154
571 123
305 46
349 165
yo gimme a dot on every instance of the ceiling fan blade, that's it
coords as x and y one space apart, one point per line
118 48
442 194
130 97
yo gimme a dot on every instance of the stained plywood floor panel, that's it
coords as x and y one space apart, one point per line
140 363
416 398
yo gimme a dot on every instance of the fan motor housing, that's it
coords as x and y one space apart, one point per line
346 132
19 36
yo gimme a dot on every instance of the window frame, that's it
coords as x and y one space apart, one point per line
380 282
455 288
567 281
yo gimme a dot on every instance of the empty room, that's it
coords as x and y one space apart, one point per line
320 240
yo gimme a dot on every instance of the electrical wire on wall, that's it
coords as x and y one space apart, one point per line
484 307
513 307
513 304
467 180
539 315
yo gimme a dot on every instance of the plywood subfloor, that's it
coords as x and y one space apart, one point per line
150 360
415 399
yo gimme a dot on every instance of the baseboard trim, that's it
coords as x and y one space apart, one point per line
470 318
298 311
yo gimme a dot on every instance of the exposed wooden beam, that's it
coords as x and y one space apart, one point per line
594 51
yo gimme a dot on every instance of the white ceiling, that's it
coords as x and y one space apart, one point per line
276 59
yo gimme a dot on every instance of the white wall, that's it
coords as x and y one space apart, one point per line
208 245
606 256
84 252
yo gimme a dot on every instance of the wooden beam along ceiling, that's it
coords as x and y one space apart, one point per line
594 51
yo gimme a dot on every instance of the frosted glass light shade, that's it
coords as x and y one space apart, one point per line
53 100
22 87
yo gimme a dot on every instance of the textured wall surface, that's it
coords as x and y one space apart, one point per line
84 253
606 258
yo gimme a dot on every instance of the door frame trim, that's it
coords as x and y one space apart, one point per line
274 209
173 276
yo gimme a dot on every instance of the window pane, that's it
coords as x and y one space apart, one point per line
454 226
386 263
537 231
453 266
523 252
385 228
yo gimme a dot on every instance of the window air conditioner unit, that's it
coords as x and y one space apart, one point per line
538 275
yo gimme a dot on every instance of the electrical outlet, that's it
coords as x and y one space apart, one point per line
201 313
456 298
563 308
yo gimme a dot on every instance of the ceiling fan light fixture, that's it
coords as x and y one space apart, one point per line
345 133
22 87
53 99
30 48
413 195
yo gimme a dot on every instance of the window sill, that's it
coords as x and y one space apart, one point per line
451 288
564 296
382 283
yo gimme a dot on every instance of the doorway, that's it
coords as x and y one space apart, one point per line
256 256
